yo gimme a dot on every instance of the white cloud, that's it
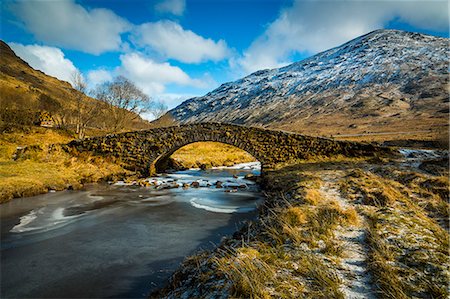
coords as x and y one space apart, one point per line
172 41
175 7
172 99
66 24
432 14
49 60
151 76
313 26
96 77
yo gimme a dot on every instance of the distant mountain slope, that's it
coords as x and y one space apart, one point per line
24 88
387 80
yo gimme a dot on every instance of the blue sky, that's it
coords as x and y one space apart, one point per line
176 49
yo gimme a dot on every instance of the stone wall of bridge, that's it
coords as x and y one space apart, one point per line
142 150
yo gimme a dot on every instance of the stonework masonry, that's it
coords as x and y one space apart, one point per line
143 151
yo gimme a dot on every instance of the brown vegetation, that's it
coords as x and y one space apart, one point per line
43 170
296 250
210 154
407 230
26 92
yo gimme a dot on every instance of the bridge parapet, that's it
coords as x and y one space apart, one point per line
142 150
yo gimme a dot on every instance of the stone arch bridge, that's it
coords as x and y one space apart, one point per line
143 150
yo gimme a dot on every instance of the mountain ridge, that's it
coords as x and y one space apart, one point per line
375 82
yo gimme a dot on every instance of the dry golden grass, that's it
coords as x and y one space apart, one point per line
408 254
406 129
431 193
372 189
312 196
265 271
30 136
39 171
310 224
248 271
210 154
380 264
283 261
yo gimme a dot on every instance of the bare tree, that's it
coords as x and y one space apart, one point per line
79 84
158 109
123 97
86 109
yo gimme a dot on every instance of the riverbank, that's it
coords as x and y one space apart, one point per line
335 229
96 225
40 171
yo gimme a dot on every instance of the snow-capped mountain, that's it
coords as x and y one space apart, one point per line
386 78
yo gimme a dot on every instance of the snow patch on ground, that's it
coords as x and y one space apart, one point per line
356 280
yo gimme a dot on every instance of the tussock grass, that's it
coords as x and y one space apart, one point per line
211 154
408 254
422 184
312 196
420 191
325 281
381 264
41 170
371 189
309 224
248 271
296 249
264 271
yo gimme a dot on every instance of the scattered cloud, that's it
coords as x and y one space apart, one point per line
97 77
313 26
175 7
172 41
49 60
173 99
151 76
432 14
69 25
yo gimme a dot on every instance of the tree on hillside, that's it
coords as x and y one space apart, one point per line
86 110
159 108
125 102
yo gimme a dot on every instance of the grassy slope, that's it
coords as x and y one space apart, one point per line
422 126
21 87
40 171
210 154
303 242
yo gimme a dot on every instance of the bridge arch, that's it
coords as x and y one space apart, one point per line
140 150
161 163
172 142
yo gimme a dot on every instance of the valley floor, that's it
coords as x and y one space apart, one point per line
335 229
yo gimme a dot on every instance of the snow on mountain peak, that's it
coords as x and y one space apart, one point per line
383 61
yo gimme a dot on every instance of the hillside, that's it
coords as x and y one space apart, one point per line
25 91
385 81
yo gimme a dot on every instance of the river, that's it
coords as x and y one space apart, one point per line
117 241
